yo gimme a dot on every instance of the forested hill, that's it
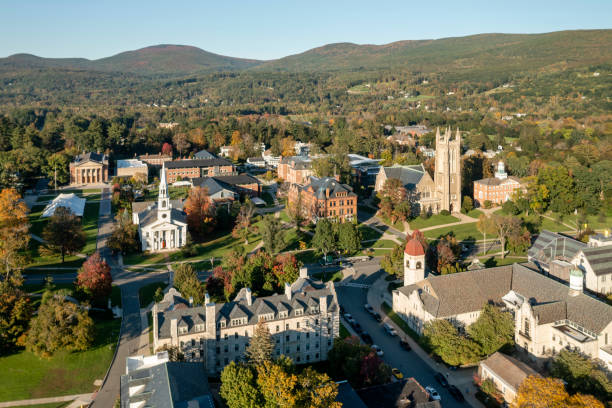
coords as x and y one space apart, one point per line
506 52
155 60
501 52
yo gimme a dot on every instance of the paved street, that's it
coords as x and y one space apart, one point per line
408 362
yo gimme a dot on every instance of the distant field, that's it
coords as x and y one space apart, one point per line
419 98
359 89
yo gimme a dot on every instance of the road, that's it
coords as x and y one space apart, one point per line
409 363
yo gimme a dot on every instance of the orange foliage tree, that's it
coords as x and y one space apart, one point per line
200 212
541 392
14 230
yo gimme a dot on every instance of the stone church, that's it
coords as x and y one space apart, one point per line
441 193
161 225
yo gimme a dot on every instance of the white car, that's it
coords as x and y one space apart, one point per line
390 330
368 308
433 394
377 350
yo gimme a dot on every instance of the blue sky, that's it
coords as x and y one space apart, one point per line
271 29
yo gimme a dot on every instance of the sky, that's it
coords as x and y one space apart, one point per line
269 29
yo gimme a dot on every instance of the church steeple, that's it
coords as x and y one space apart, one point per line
163 201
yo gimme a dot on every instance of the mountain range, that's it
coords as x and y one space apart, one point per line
471 53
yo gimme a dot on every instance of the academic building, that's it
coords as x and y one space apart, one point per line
324 198
89 168
303 321
498 189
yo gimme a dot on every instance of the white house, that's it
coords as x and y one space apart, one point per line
161 225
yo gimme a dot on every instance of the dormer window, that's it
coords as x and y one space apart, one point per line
182 330
222 324
282 314
199 327
299 312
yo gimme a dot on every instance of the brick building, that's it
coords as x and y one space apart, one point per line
498 189
295 169
188 169
324 198
89 168
155 159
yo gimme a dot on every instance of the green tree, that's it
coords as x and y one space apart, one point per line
272 234
57 168
492 330
59 325
261 346
581 374
324 239
349 237
64 233
239 388
505 226
186 281
393 262
448 344
467 205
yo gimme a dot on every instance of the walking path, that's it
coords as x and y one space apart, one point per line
376 295
40 401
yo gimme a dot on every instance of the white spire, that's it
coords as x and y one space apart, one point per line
163 203
163 185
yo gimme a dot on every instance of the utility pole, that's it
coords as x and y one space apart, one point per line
55 175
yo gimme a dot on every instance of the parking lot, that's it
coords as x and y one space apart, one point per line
409 363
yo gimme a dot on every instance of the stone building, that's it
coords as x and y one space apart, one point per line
417 182
498 189
303 321
187 169
549 316
161 225
89 168
324 198
447 176
240 184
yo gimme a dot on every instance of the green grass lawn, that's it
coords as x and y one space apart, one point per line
359 89
24 375
308 257
418 98
283 216
463 232
368 233
474 213
333 277
438 219
492 261
146 292
399 225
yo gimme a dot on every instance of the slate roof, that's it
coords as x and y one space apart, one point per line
298 162
320 185
509 369
91 156
170 384
467 292
204 154
550 246
305 292
213 186
410 176
348 397
237 180
400 394
148 216
494 181
600 259
181 164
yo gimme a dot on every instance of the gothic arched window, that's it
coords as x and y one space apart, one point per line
164 204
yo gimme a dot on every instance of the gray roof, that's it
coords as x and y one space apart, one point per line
321 185
305 292
298 162
147 211
204 154
550 246
210 183
408 175
170 384
181 164
600 259
404 393
237 180
348 397
509 369
494 181
91 156
466 292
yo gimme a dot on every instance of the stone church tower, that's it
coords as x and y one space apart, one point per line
414 262
447 177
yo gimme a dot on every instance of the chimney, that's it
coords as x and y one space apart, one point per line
323 304
190 301
303 272
174 332
249 296
206 299
288 291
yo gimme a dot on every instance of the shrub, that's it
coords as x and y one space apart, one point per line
487 204
445 212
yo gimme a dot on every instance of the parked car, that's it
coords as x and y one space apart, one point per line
405 345
433 394
397 373
377 317
368 308
357 327
347 316
455 393
390 330
441 379
367 339
377 350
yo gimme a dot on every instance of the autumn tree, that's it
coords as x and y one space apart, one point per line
317 390
543 392
200 212
94 277
581 374
485 226
505 226
59 325
174 352
64 233
354 361
15 314
272 234
261 346
166 149
392 195
287 147
124 238
393 262
186 281
296 212
286 269
181 142
14 234
277 385
243 221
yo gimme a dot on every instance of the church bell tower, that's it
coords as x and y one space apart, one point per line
447 176
163 201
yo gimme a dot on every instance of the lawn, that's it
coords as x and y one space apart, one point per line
474 213
359 89
463 232
418 98
368 233
328 276
284 217
174 192
399 225
146 292
438 219
308 257
497 261
25 376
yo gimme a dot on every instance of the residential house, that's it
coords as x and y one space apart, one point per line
89 168
303 322
324 198
506 372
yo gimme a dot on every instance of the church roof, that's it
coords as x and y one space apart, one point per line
410 176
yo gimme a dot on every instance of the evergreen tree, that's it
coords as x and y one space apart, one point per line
261 346
272 234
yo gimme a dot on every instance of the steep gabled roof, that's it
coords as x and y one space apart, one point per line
600 259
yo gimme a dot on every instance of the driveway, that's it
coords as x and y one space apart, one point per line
408 362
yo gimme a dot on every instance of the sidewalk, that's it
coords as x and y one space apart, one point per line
50 400
377 294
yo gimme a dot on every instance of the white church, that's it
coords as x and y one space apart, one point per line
162 225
